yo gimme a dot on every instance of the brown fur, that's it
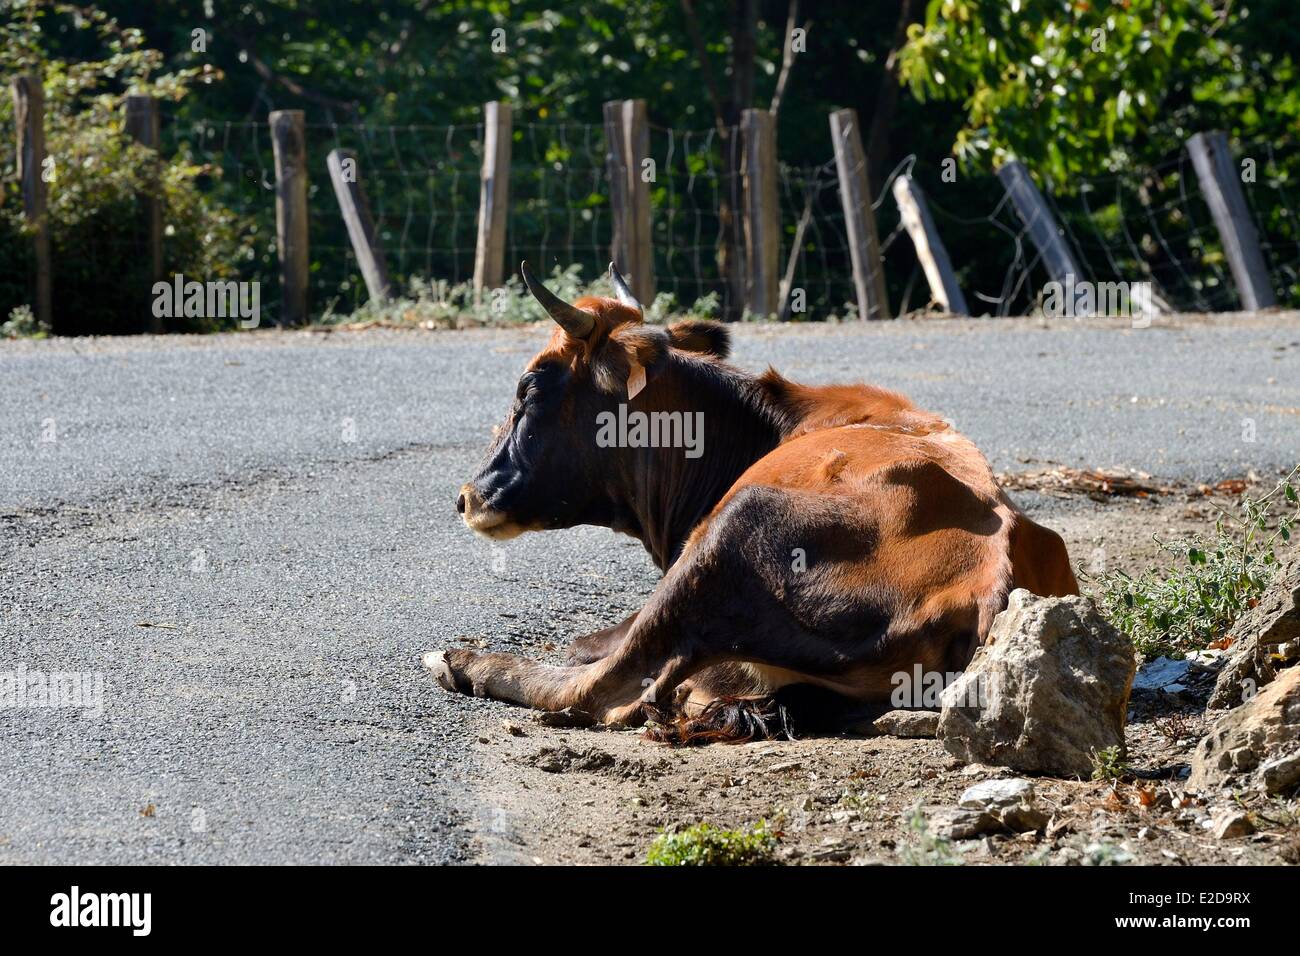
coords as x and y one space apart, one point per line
909 548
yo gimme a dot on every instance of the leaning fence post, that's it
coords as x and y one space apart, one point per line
859 219
930 250
1047 236
1212 159
29 118
494 197
288 131
140 121
628 137
342 165
762 219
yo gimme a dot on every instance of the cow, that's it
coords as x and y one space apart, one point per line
824 540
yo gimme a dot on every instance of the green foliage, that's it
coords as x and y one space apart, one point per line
22 324
95 177
1072 87
989 79
443 305
1106 854
1109 763
706 845
1212 581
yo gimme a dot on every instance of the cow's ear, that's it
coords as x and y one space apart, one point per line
628 359
702 336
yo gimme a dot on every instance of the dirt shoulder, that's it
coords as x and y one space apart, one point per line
555 795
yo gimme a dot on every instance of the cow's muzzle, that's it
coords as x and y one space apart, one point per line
485 520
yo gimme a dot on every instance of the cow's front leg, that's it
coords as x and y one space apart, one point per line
592 647
500 676
614 690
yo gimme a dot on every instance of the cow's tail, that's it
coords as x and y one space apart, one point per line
726 719
787 711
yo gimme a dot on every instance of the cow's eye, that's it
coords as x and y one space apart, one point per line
526 384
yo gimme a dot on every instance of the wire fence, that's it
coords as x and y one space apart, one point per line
1150 224
1144 225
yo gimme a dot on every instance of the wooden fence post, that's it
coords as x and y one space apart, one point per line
140 121
628 138
1047 236
288 139
912 206
343 170
1221 184
784 309
762 213
859 219
29 118
494 197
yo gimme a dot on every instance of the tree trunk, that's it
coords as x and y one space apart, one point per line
882 117
731 249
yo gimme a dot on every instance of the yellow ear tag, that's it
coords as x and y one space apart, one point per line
635 379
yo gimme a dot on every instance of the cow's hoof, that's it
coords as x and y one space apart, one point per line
435 662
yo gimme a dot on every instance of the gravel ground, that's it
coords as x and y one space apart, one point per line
252 537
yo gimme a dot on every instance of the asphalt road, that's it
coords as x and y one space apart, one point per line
251 538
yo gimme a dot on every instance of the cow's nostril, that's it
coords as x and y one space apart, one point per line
460 504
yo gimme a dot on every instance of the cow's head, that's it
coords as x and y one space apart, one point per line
544 468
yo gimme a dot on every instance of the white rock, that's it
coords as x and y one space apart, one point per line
996 794
1160 673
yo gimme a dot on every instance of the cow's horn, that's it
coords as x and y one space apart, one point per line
573 320
623 293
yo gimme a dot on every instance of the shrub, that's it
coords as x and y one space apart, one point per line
22 324
707 845
97 175
443 305
1213 580
1109 764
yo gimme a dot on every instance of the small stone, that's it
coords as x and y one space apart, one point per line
955 823
1280 774
784 766
1233 824
997 794
1022 818
1010 802
908 723
1160 673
